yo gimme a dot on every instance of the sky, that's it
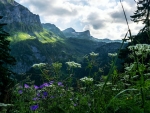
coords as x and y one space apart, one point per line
103 18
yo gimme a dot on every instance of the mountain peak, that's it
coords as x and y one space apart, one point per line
69 30
54 29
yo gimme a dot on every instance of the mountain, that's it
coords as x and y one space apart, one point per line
54 29
106 40
18 17
71 33
33 42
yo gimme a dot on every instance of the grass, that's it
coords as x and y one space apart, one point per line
47 37
43 36
20 36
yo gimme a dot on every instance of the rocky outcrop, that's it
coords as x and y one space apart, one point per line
18 17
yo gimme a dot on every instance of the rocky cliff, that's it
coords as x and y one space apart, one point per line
71 33
18 17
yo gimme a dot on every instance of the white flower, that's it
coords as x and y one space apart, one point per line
140 48
112 54
130 67
39 65
94 54
86 79
73 64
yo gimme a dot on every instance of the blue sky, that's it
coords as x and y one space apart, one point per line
104 18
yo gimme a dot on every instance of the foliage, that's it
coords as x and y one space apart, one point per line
142 13
6 60
143 37
126 92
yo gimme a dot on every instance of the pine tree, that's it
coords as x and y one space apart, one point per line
6 60
142 13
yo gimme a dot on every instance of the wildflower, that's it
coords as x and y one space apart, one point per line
20 91
86 79
99 85
112 54
51 82
140 48
73 64
44 85
39 65
34 107
75 104
45 94
94 54
36 87
130 67
38 94
36 98
26 85
60 84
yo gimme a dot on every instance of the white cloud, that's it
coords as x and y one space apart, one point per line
104 18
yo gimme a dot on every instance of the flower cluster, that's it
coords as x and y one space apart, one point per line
140 48
39 65
40 92
112 54
86 79
130 67
94 54
73 64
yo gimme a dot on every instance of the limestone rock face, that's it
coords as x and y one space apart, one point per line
18 17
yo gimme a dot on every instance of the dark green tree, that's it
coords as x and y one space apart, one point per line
142 14
6 61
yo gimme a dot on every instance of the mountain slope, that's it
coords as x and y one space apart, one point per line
54 29
18 17
33 42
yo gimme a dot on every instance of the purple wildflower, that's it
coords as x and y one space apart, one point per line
51 82
34 107
36 98
26 85
60 84
38 94
75 104
36 87
45 94
20 91
44 85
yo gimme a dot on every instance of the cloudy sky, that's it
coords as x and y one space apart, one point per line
104 18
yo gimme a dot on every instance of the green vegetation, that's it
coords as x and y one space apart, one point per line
43 36
6 61
47 37
59 92
126 92
20 36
